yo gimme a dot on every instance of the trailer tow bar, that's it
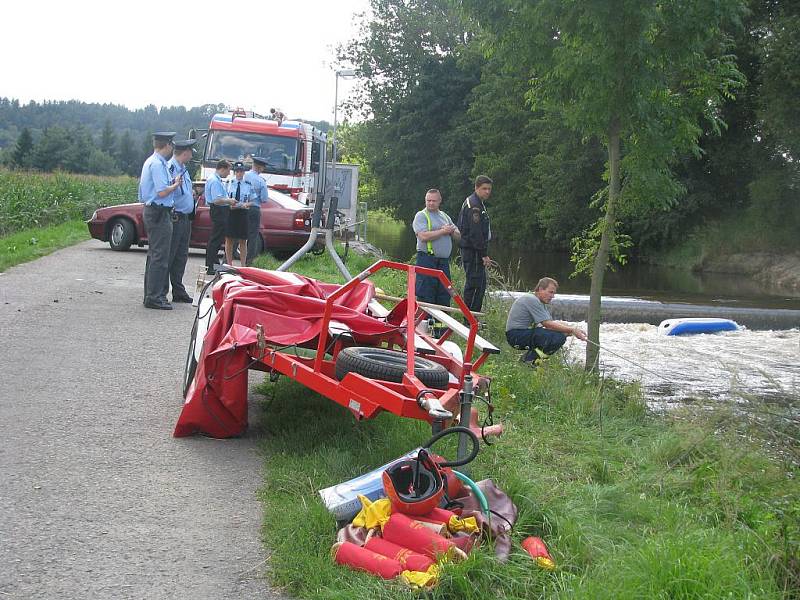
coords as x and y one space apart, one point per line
430 403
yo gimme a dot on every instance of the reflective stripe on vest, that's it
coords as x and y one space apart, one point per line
430 228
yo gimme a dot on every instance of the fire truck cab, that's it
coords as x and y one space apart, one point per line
295 151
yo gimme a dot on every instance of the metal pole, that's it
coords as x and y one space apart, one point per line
335 115
466 417
316 228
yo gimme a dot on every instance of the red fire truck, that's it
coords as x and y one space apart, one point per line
295 151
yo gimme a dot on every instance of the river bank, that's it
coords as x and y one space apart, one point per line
696 272
777 271
632 503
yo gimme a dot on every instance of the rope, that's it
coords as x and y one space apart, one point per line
635 364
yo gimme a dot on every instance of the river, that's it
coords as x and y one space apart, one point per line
738 366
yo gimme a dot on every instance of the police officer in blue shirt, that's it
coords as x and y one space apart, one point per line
156 187
258 198
216 195
183 201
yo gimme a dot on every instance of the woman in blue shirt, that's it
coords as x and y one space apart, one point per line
236 232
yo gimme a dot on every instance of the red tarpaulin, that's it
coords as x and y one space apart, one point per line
289 308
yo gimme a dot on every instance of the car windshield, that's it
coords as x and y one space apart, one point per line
280 152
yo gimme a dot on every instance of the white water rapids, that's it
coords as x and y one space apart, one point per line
734 366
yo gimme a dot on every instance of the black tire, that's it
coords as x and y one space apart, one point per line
120 234
389 365
190 368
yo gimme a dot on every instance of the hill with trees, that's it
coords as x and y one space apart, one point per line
98 139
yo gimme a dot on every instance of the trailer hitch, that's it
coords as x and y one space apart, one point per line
430 403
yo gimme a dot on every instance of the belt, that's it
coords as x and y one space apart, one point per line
159 206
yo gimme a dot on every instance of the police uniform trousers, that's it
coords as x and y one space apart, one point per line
430 289
178 254
158 226
475 286
219 223
254 246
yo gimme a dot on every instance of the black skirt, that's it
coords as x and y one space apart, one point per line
237 224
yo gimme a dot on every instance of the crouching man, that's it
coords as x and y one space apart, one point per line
531 327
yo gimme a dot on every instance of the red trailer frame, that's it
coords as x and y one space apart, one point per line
363 396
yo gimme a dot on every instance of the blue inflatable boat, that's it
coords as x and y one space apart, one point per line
696 325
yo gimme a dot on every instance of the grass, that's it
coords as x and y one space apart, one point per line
31 200
631 505
30 244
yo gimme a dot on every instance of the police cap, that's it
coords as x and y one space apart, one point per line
163 136
239 166
184 144
260 160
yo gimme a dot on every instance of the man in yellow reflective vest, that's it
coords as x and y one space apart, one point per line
435 233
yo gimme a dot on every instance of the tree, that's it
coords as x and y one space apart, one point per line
77 151
779 41
99 163
50 151
146 150
637 75
415 83
126 155
20 158
108 138
545 173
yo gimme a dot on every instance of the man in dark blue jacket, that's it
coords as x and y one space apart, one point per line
473 223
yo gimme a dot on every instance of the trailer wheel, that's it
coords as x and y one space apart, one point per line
190 368
389 365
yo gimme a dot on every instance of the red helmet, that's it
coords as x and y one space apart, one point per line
414 487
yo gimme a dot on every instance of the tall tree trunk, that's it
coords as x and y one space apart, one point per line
601 260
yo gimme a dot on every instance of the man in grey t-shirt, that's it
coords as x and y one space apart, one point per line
435 233
531 327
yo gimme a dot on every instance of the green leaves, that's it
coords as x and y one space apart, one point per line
417 76
584 248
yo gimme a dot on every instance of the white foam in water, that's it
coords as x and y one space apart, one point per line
727 366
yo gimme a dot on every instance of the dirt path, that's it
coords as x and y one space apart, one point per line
97 500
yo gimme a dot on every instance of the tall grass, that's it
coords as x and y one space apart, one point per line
30 200
632 505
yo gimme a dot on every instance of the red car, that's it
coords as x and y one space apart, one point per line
285 225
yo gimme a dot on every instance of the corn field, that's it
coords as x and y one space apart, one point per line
29 200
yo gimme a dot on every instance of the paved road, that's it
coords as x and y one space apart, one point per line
97 500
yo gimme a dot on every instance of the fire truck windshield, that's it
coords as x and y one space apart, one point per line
280 152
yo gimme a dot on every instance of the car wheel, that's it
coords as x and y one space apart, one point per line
120 234
389 365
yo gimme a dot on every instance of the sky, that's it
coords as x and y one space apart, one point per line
255 55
